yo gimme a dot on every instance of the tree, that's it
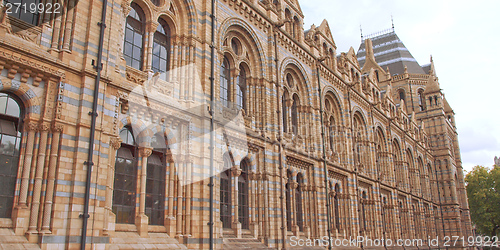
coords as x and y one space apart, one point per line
483 190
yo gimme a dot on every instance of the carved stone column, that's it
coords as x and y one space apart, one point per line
109 217
170 220
141 221
57 129
30 128
37 189
236 225
254 225
21 212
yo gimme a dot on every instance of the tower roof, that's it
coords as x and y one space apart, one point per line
390 52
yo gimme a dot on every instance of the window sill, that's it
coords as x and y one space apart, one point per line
125 228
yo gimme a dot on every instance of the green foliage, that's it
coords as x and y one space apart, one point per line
483 190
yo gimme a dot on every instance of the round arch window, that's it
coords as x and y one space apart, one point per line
10 142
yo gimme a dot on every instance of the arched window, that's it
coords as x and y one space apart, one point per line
10 142
288 17
284 112
295 115
243 196
134 37
241 89
289 80
402 95
155 181
421 101
225 83
235 46
124 193
23 10
332 133
298 202
225 193
161 45
288 194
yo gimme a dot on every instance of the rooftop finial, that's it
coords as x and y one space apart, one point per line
392 21
361 30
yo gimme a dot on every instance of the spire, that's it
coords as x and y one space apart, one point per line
392 21
361 30
431 86
432 70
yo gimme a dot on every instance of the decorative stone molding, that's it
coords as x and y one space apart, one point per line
115 142
145 151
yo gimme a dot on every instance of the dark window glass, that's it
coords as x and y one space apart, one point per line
225 194
124 193
225 83
288 194
161 45
298 203
134 34
10 140
155 188
295 115
285 113
241 88
24 10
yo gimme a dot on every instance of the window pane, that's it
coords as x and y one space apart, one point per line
7 145
3 103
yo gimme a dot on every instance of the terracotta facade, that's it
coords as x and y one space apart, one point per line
394 168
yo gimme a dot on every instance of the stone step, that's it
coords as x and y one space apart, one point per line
243 243
8 240
132 240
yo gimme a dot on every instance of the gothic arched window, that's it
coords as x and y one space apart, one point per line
134 37
155 181
243 196
241 89
161 45
332 133
124 193
225 193
295 115
225 83
402 96
10 143
284 112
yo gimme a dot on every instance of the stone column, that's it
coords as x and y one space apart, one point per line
141 221
189 190
170 220
37 189
180 177
253 211
109 217
236 225
57 129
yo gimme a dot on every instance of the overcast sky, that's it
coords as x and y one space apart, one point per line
463 38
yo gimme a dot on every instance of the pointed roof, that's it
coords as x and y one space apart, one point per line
295 5
370 61
431 86
429 68
325 29
390 51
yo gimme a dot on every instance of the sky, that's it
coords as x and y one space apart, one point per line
463 38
